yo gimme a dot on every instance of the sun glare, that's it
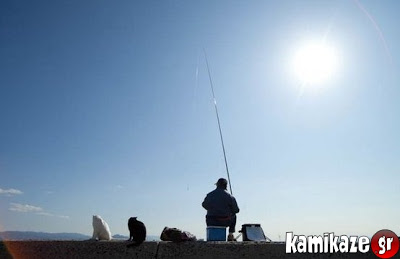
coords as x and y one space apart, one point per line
315 63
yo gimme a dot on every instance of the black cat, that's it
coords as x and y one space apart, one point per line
137 231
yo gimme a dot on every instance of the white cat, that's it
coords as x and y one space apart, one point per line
101 231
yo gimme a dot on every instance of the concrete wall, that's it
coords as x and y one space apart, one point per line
118 249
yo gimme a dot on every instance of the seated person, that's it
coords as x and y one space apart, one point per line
221 208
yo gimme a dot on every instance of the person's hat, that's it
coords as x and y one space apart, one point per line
221 182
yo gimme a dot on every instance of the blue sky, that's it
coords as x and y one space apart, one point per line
106 109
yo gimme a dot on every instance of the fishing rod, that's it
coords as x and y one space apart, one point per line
219 123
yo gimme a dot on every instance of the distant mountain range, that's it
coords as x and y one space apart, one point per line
148 238
31 235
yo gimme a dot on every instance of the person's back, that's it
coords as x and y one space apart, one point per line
221 208
220 203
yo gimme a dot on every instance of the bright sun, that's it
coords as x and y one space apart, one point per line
315 63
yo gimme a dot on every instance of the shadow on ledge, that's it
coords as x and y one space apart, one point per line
119 249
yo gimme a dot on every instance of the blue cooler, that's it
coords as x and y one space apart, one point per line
215 233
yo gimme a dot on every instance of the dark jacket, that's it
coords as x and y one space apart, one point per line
220 203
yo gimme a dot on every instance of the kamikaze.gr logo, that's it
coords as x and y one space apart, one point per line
384 244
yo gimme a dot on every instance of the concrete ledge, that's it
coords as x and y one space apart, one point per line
118 249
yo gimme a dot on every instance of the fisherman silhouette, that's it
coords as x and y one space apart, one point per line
221 208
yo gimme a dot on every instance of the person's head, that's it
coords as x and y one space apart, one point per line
222 183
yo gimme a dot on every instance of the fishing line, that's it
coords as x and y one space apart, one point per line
219 123
376 27
197 82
